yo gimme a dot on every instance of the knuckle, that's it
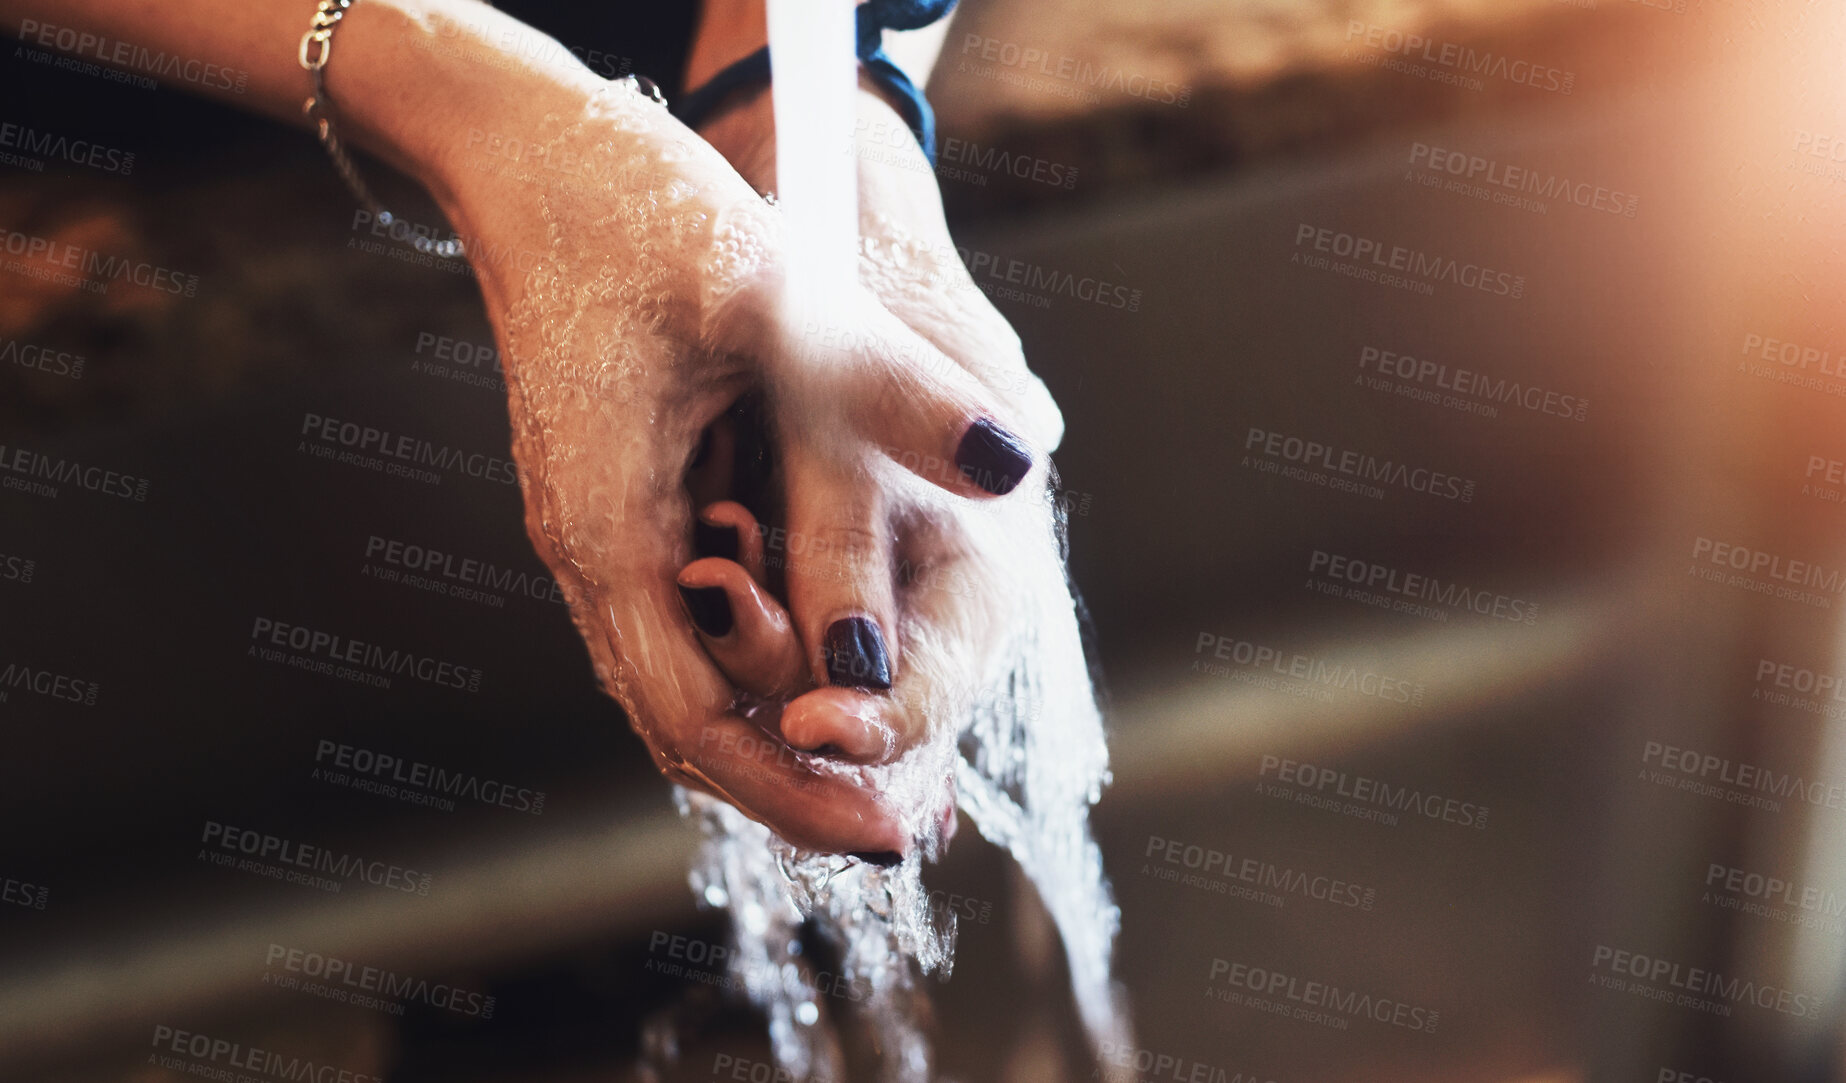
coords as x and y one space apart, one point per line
851 542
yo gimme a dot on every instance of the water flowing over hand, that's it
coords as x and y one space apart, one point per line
631 276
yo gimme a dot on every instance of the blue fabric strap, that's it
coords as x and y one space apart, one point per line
873 18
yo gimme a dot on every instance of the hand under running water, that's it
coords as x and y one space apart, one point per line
944 573
908 260
631 275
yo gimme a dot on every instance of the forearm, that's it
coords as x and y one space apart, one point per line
405 75
492 117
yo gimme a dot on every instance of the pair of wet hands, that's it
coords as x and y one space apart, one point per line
818 676
794 624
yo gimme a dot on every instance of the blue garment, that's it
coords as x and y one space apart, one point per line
873 18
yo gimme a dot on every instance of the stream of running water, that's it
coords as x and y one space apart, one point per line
1026 754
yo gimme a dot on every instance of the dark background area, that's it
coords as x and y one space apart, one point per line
559 915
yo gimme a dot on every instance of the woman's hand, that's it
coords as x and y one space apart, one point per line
908 259
626 270
633 279
629 273
977 587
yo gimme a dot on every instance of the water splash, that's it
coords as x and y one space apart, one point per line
1023 745
1028 759
1011 715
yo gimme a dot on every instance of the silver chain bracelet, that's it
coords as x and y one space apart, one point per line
316 47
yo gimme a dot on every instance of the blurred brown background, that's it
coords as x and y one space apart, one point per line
1175 153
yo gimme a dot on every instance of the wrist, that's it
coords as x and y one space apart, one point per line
412 81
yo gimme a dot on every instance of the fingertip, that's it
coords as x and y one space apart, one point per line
726 529
815 812
856 656
993 458
849 722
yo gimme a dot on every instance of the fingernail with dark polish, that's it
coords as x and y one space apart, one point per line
855 655
714 541
993 458
709 608
884 859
